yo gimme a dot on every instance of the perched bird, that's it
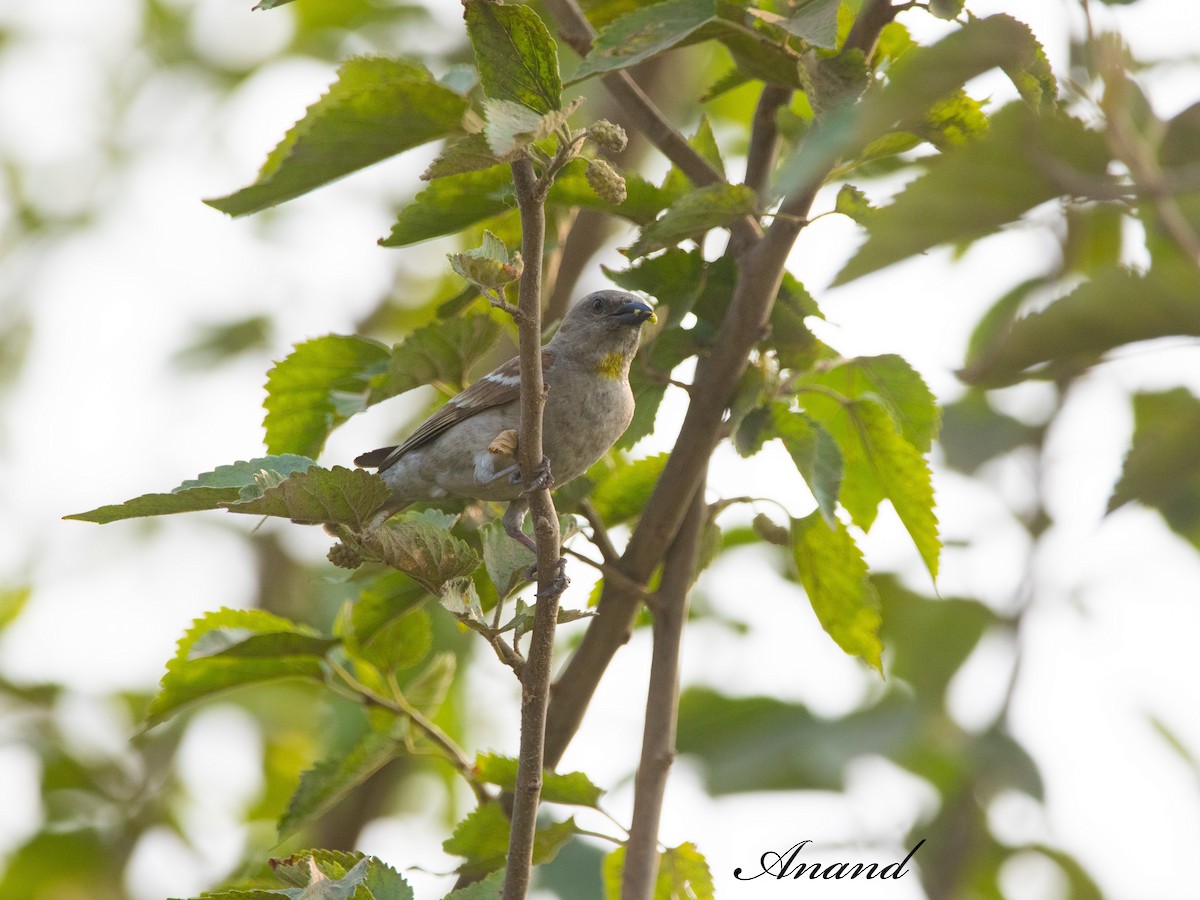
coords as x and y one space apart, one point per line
468 447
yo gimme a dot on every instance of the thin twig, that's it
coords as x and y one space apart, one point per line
662 705
599 533
535 675
400 706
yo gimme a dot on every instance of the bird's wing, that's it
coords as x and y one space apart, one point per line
500 386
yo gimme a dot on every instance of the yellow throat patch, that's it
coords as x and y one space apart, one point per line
611 366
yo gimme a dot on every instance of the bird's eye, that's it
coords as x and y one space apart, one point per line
597 304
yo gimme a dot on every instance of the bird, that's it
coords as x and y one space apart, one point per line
467 448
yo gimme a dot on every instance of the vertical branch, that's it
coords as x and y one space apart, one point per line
662 705
535 675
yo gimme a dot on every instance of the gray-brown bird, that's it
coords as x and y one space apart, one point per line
468 447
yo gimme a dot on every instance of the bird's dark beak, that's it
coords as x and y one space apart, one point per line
634 313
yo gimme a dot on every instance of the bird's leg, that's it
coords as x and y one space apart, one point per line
514 518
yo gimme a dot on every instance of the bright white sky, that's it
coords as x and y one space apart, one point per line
100 416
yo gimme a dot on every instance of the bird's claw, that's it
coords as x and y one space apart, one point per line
558 584
542 478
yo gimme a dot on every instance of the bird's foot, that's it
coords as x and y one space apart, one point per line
557 585
542 478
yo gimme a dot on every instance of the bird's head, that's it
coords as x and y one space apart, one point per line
603 328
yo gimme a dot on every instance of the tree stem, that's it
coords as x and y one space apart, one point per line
662 705
535 675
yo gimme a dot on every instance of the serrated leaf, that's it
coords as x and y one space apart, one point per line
693 214
490 265
515 54
642 33
853 203
878 462
452 203
1162 468
920 78
212 490
352 871
329 781
970 193
623 494
507 561
468 154
431 555
377 108
387 626
831 568
815 454
815 22
894 383
490 888
336 496
442 353
482 837
316 388
1117 307
190 677
683 874
573 788
643 201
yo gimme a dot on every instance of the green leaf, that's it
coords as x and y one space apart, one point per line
452 203
207 660
853 203
490 888
316 388
469 154
330 781
973 432
212 490
970 193
388 627
516 56
442 353
12 603
1117 307
919 79
573 787
489 265
337 496
348 874
946 9
879 462
482 837
767 744
622 495
430 554
698 211
643 33
929 639
894 383
815 454
507 561
815 22
683 874
377 108
1162 468
831 568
